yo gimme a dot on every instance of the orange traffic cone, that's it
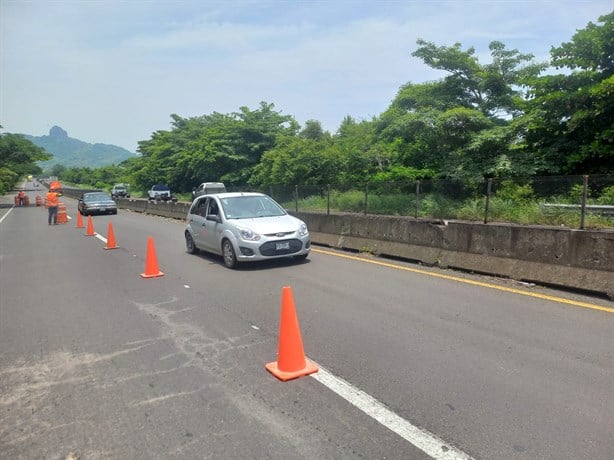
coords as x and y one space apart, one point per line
111 244
90 227
151 261
79 220
291 362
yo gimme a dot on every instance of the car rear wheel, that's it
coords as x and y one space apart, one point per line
189 244
228 252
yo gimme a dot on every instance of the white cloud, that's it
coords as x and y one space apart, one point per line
113 72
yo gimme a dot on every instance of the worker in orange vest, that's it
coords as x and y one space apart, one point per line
52 201
22 198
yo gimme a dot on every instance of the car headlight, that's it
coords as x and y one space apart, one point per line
302 230
248 234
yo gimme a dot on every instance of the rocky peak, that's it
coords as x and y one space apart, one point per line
58 133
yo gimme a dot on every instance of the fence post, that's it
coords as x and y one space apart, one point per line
328 201
584 196
488 191
366 198
417 198
296 198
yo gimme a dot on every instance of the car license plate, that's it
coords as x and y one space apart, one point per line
103 209
281 246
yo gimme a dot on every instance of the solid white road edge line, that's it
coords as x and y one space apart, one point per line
7 213
422 439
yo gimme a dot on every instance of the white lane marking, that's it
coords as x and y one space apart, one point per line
7 213
427 442
100 237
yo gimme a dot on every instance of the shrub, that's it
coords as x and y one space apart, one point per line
514 192
607 196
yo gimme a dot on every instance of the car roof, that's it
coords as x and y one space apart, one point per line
95 193
234 194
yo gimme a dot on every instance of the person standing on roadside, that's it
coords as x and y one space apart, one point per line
52 202
21 196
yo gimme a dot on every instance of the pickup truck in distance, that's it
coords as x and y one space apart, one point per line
160 192
120 191
207 188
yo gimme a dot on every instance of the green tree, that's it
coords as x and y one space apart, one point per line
18 157
494 89
297 160
462 125
212 147
313 130
570 118
58 170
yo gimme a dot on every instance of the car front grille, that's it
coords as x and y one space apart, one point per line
271 248
280 234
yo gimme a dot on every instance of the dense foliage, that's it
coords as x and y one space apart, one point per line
18 158
570 118
503 118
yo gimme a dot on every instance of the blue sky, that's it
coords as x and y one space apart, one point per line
112 72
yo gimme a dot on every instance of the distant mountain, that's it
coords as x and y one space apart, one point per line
75 153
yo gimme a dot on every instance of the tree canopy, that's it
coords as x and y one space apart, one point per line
216 147
18 157
570 117
510 116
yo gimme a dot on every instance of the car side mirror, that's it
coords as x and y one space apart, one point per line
214 218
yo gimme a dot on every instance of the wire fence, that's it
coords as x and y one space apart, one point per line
571 201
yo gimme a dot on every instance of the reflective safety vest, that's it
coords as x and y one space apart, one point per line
52 199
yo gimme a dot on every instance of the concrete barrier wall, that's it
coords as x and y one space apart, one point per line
579 259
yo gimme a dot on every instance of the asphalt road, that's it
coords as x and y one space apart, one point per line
417 363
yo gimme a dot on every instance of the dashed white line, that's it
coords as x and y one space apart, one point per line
427 442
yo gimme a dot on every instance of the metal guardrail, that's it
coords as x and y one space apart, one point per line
605 209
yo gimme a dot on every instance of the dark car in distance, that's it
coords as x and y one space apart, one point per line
96 203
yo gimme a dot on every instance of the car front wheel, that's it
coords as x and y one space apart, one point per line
189 244
230 259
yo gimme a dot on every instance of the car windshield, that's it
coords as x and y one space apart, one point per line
161 188
97 197
249 207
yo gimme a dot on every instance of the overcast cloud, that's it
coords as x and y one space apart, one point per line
113 71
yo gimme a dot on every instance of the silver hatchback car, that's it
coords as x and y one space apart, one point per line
244 227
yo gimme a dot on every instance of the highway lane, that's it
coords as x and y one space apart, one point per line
174 366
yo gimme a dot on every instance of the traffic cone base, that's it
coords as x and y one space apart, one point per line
310 368
291 361
154 275
151 261
111 244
